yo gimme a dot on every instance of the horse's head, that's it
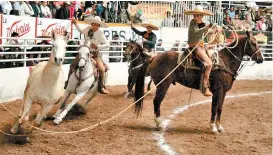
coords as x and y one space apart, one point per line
133 48
59 44
84 56
251 48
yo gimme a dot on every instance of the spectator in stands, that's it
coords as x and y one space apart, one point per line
159 46
123 13
13 41
261 25
37 9
231 12
115 37
45 10
26 9
227 20
240 13
6 7
139 17
39 49
176 46
248 24
225 13
168 21
236 22
71 42
72 9
63 12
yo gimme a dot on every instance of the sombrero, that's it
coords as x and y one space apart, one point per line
96 20
150 25
198 10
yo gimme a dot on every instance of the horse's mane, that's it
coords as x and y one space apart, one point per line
240 41
138 45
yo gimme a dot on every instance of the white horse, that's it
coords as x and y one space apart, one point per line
81 81
45 83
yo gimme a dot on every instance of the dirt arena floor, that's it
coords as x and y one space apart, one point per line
247 121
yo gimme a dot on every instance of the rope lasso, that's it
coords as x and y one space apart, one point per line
47 132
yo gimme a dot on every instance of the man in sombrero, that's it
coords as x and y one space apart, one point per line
197 28
148 38
96 40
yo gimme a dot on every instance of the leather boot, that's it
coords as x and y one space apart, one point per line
102 83
207 92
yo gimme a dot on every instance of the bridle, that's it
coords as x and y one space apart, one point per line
129 63
252 48
79 78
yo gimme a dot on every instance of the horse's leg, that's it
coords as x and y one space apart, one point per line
65 98
45 109
160 94
78 97
149 85
219 112
131 83
216 100
94 92
26 108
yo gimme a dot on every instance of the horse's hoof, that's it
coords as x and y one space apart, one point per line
213 128
57 121
14 130
220 129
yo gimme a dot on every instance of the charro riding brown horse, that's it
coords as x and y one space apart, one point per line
221 79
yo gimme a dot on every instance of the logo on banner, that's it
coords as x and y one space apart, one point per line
20 29
58 30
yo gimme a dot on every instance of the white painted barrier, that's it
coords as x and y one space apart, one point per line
13 80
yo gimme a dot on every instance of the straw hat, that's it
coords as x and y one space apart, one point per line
199 10
150 25
96 20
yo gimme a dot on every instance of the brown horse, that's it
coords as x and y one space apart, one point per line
221 79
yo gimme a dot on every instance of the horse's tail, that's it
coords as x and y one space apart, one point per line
139 89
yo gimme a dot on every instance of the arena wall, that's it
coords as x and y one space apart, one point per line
13 80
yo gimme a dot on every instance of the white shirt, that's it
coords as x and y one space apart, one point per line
98 39
6 7
46 11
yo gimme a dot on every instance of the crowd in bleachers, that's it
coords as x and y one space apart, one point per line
260 20
109 11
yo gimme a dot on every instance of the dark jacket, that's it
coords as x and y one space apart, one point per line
36 9
151 40
63 13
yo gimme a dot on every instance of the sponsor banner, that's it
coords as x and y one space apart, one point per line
24 26
153 10
45 26
125 33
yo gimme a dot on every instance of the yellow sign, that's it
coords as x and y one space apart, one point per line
151 10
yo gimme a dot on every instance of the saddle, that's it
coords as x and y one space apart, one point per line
193 62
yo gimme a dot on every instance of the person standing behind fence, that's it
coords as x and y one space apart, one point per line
148 38
115 37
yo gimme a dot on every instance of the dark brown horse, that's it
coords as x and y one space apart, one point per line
136 63
221 79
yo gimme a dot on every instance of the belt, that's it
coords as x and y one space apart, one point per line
201 44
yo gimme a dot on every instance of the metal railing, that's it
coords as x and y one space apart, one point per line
266 50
